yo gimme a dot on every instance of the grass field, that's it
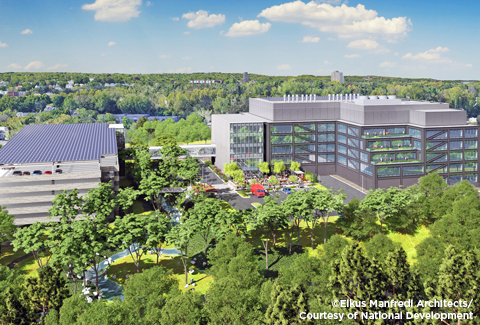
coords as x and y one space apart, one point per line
243 194
29 266
256 204
409 242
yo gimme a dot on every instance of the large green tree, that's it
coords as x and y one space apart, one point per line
7 226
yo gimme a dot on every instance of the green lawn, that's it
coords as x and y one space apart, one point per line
29 266
320 187
256 204
8 255
226 206
409 242
243 194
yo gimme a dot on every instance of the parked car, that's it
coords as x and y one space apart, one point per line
48 172
17 173
37 172
287 190
26 173
58 171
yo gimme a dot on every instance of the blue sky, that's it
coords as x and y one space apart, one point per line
434 39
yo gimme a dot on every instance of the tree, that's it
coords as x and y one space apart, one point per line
70 311
164 140
357 223
99 202
229 168
184 308
157 231
296 207
47 292
180 236
264 167
131 232
380 246
295 166
66 205
279 167
268 218
14 310
323 203
286 306
389 205
127 123
432 187
33 239
7 226
293 179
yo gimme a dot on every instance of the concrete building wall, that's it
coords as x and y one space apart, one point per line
221 138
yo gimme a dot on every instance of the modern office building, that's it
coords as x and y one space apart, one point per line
43 160
375 142
337 76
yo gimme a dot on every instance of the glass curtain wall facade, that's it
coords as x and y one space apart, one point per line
246 144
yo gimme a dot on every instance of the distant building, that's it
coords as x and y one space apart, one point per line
208 82
245 78
337 76
3 133
136 117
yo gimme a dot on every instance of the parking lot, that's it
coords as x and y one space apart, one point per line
240 203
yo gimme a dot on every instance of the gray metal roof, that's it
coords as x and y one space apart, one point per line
59 142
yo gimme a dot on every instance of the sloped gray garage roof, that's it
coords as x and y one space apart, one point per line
59 142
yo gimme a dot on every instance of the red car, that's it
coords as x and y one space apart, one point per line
258 190
48 172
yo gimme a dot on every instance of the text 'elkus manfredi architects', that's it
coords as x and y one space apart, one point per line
373 141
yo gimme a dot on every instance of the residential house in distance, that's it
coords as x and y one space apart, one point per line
3 133
136 117
372 141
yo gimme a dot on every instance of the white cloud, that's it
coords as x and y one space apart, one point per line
363 44
34 65
183 70
352 56
103 54
186 58
186 33
111 43
432 55
3 44
331 39
319 70
326 62
58 66
248 27
469 65
396 53
164 56
342 20
335 2
201 19
26 31
114 10
149 3
14 66
310 39
284 67
387 64
175 19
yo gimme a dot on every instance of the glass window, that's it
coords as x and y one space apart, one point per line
412 170
437 168
353 164
305 159
379 144
285 159
470 155
431 144
326 137
342 149
456 134
472 178
353 153
364 156
322 127
417 144
415 133
281 128
395 131
353 131
455 156
326 158
383 157
366 169
308 137
388 171
304 127
361 144
470 167
353 142
432 155
454 179
342 160
326 147
440 159
342 139
455 168
274 139
305 149
470 133
342 128
373 132
441 136
456 145
470 144
431 133
406 156
281 149
401 143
